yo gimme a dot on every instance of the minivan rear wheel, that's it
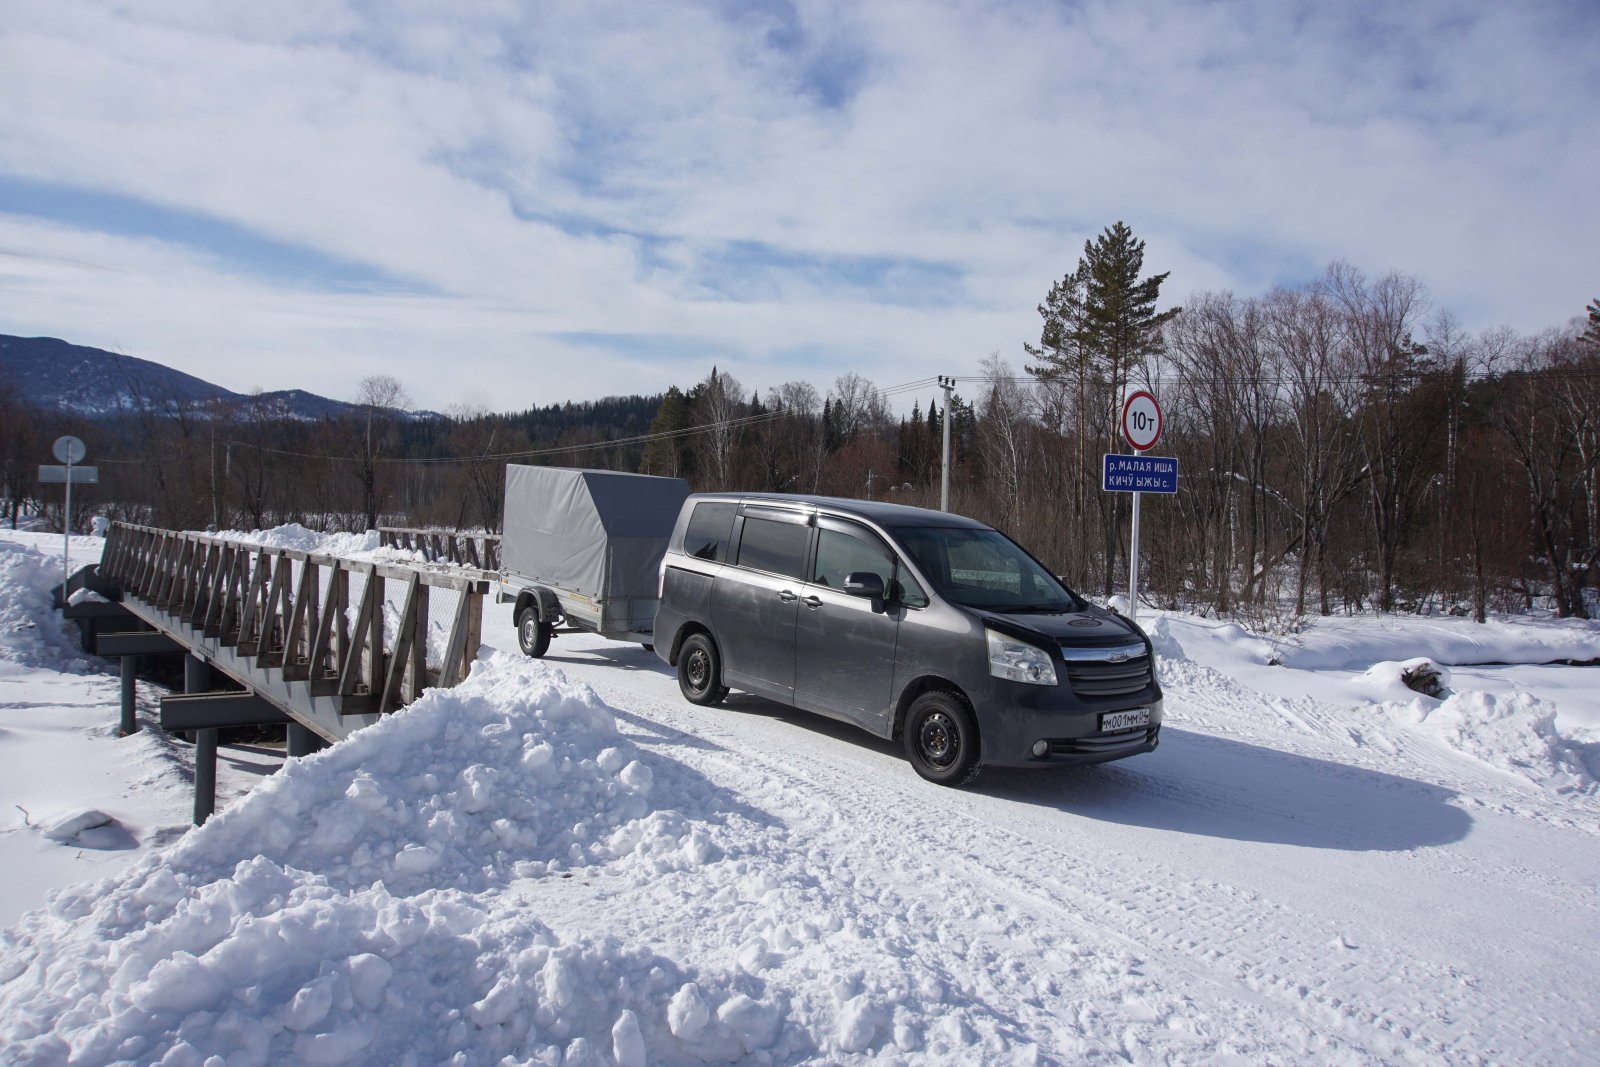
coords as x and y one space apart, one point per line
700 671
941 739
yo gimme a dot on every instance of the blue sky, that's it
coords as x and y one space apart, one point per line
522 203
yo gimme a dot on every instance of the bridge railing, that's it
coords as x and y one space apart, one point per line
319 619
478 550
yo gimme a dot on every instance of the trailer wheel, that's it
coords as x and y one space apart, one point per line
533 636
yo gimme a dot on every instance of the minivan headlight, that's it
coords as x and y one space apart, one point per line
1019 661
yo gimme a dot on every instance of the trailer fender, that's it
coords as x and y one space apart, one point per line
542 600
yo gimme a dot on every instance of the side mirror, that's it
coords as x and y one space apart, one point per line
866 584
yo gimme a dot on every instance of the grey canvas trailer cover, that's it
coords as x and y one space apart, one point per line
581 551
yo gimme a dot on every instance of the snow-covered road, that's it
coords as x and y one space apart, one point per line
563 862
1281 880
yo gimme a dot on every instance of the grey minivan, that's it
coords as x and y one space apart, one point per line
913 624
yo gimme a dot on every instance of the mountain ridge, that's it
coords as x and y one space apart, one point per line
51 374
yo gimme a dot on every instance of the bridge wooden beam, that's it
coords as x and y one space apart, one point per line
214 711
148 643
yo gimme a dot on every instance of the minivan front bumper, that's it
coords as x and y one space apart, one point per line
1011 735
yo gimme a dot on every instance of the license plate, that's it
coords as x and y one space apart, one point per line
1124 720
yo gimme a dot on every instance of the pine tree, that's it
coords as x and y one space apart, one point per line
1100 321
1120 322
1591 336
1060 341
667 456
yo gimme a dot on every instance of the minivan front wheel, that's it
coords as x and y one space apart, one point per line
700 671
941 739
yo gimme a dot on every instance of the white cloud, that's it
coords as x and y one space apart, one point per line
548 170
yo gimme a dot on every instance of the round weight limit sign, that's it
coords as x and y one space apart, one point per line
1141 421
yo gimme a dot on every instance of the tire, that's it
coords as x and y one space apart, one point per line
533 636
700 671
941 739
648 647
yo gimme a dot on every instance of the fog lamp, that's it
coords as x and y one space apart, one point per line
1041 749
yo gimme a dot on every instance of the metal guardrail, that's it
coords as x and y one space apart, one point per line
311 618
481 551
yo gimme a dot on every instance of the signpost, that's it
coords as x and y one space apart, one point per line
1137 474
70 451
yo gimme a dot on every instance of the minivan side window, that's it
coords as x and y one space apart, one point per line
710 529
778 547
845 548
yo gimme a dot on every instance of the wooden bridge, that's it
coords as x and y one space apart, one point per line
310 641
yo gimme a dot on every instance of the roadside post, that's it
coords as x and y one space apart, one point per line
1139 474
71 452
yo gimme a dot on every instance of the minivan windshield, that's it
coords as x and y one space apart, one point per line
981 568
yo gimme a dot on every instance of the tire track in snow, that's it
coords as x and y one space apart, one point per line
1065 920
1080 951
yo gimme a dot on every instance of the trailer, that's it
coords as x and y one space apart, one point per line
580 552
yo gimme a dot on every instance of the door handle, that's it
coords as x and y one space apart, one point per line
813 602
788 596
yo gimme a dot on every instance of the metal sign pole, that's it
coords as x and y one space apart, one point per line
70 451
66 535
1133 558
946 384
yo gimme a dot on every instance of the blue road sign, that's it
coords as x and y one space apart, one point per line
1140 474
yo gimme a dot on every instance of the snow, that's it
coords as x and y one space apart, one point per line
562 862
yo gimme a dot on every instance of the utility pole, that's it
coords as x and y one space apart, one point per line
215 511
947 384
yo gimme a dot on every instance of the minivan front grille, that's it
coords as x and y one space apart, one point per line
1104 744
1096 678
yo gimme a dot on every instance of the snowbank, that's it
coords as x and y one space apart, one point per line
228 944
1515 733
31 633
1355 643
297 537
1216 644
346 910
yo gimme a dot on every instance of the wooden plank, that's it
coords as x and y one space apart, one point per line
362 658
450 671
327 650
274 627
250 619
195 614
405 639
303 624
233 596
211 626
